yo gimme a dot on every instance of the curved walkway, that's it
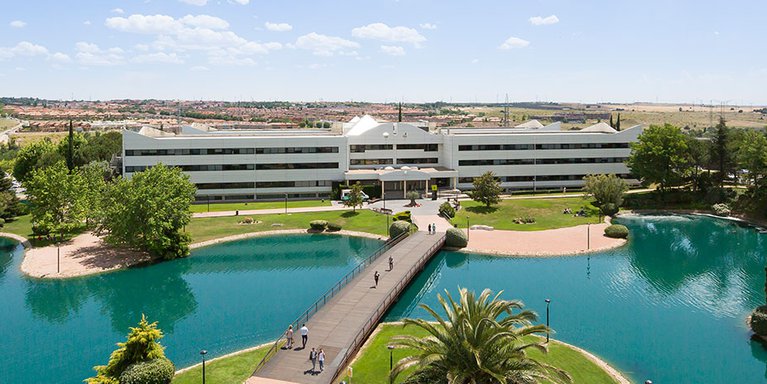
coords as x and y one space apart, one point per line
551 242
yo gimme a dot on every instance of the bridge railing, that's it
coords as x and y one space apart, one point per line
329 294
371 323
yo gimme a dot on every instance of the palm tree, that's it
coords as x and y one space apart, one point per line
482 340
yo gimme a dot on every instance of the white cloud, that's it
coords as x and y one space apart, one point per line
548 20
158 57
428 26
393 50
475 61
118 11
87 22
60 58
242 2
199 68
278 27
198 3
17 24
514 42
26 48
323 45
383 32
205 33
89 54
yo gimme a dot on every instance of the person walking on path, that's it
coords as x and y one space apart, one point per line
391 263
375 277
434 228
430 229
313 358
304 336
289 337
321 358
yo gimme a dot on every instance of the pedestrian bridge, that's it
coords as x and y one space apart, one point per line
341 320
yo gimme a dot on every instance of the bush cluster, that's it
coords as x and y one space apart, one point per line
446 209
398 227
155 371
247 220
318 225
524 220
609 209
617 231
721 209
334 227
456 238
758 321
402 216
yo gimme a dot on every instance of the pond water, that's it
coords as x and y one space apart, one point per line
223 298
669 306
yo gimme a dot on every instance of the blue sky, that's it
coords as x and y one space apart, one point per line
411 50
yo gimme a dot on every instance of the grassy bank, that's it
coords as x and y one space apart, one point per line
218 207
372 364
202 229
547 213
232 369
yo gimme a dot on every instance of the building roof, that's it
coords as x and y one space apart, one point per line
530 124
599 127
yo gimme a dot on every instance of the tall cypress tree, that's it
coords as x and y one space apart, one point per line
70 149
611 121
618 123
400 113
721 155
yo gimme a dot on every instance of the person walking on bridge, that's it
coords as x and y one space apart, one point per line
289 337
313 358
304 336
375 277
321 358
391 263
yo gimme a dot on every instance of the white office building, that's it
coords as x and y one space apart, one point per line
397 157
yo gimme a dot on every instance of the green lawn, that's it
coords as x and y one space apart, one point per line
202 229
22 226
547 213
217 207
233 369
372 365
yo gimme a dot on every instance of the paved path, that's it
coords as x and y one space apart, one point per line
334 207
342 325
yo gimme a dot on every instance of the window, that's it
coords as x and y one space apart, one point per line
424 147
370 161
278 166
426 160
224 185
374 147
297 150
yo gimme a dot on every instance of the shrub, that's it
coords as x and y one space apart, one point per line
617 231
398 227
721 209
456 238
155 371
334 227
758 321
247 220
318 225
447 210
609 209
402 216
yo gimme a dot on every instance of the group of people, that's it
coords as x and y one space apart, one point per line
315 356
432 228
568 211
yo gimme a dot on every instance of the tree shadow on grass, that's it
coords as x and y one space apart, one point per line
349 214
481 210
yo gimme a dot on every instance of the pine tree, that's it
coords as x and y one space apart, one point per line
618 123
70 149
611 121
400 113
720 151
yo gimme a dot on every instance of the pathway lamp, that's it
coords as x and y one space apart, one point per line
468 229
548 331
286 203
203 353
391 361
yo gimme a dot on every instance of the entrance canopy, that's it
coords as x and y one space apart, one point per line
399 174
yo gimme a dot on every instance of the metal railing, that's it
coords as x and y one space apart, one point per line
371 323
329 294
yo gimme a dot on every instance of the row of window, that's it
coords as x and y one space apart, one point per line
585 160
388 147
423 160
267 184
278 196
523 147
512 179
241 167
228 151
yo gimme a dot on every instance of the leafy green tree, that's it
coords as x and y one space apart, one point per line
34 156
95 176
607 190
149 211
660 156
56 199
487 189
752 156
10 207
480 340
102 146
700 158
77 142
720 152
142 345
354 198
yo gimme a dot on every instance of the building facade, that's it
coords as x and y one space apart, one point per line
397 157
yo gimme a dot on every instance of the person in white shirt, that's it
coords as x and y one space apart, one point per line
304 335
321 358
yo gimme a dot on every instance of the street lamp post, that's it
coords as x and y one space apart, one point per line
391 361
58 255
208 203
286 203
203 353
468 229
387 223
548 301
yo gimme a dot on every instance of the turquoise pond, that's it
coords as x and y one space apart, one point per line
669 306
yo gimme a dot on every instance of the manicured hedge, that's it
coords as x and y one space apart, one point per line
318 225
617 231
456 238
334 227
446 209
156 371
758 321
398 227
402 216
